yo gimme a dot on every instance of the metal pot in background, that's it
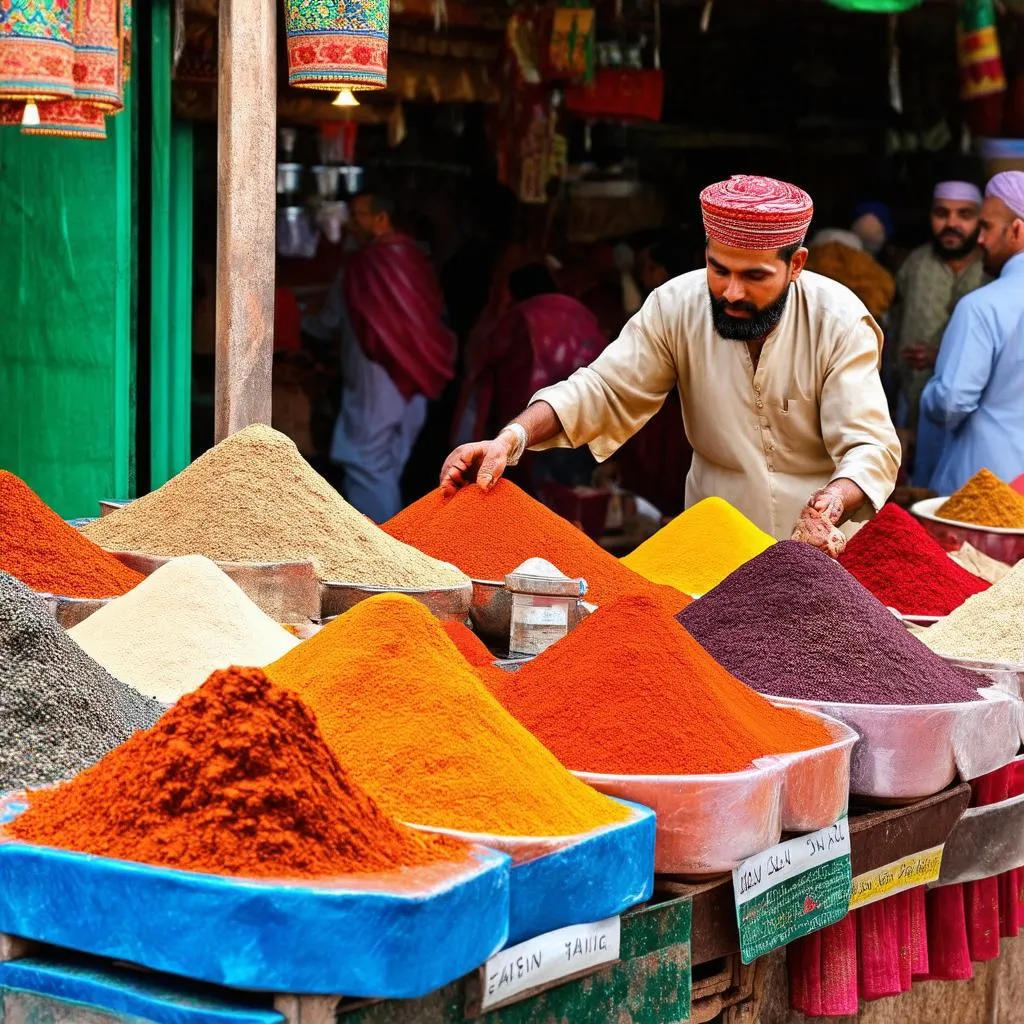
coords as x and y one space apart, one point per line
327 180
353 179
289 179
287 138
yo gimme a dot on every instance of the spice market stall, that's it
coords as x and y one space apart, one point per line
651 819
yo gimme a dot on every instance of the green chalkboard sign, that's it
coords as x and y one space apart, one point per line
793 889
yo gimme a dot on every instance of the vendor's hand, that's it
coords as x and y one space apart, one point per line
481 462
815 528
829 503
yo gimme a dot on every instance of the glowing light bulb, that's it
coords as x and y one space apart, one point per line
345 98
30 118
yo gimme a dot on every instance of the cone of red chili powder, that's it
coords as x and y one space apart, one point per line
896 558
46 554
234 780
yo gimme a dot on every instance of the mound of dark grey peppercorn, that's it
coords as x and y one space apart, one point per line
60 712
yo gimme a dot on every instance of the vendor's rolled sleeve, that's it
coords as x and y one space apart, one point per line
603 405
855 422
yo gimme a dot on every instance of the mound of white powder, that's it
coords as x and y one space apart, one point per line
168 634
987 627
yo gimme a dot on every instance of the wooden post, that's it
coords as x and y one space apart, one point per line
246 199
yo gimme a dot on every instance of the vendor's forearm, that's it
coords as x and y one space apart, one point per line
540 422
851 493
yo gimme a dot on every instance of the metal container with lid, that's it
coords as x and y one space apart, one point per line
544 605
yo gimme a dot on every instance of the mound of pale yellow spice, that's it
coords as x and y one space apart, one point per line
418 730
699 548
985 501
254 498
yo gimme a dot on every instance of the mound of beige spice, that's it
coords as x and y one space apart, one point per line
188 619
254 498
987 627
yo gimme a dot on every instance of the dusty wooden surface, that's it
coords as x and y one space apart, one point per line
246 209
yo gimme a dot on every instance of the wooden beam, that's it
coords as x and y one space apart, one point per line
246 199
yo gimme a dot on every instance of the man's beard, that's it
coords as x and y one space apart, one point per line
965 248
758 325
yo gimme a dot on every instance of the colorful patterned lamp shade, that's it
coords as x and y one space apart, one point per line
37 49
334 44
69 119
68 58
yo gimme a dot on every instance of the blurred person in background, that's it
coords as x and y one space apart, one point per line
977 394
540 339
929 285
396 355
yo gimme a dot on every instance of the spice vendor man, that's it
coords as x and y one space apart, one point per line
777 369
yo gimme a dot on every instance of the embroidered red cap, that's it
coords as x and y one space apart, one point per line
752 212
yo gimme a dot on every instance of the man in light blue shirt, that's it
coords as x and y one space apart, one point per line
977 393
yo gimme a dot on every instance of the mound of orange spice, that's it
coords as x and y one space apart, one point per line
234 780
487 534
421 733
50 556
630 692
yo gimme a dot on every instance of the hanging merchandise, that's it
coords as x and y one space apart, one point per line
619 93
69 119
100 32
570 50
333 44
981 66
37 49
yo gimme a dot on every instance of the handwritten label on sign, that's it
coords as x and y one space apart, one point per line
793 889
550 957
907 873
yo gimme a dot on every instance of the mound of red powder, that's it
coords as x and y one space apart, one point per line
630 692
488 534
48 555
896 558
470 646
234 780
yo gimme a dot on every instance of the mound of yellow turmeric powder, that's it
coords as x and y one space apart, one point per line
699 548
414 725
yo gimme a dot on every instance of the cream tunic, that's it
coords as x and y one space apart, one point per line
813 411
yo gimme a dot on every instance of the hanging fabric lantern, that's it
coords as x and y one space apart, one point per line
98 72
981 66
37 49
333 44
100 55
69 119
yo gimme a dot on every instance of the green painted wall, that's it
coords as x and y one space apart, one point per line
66 314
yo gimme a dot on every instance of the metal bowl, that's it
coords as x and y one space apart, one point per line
1002 675
108 505
491 611
81 522
446 603
285 591
1002 544
70 611
706 824
911 751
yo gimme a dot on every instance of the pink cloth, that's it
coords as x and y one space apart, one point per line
752 212
537 342
397 313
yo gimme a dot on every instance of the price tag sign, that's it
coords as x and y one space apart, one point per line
793 889
554 956
907 873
